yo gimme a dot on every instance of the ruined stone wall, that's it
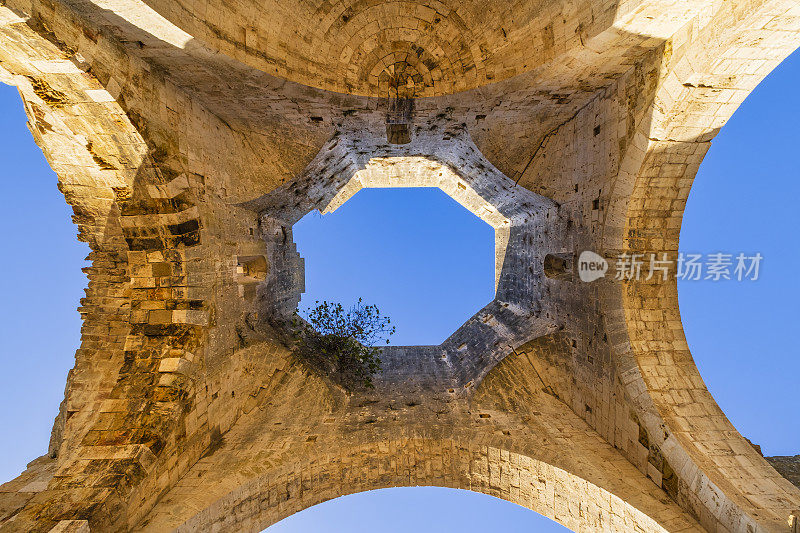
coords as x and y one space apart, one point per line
185 408
134 413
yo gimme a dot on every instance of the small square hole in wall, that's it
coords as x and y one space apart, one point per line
251 269
398 133
558 266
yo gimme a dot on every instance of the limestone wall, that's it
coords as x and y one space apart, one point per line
187 143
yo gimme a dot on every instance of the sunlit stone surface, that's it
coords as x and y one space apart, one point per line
189 136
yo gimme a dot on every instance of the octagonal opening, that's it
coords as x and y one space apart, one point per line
521 221
422 258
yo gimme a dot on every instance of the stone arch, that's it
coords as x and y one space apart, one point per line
124 209
543 488
261 471
682 420
94 172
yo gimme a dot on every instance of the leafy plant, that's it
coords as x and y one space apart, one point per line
342 343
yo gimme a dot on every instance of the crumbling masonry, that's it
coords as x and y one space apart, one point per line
188 136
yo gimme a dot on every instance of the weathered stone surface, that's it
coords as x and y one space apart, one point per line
788 466
189 136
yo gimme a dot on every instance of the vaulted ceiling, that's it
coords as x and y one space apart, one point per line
365 46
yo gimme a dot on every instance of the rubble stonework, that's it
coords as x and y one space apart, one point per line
188 137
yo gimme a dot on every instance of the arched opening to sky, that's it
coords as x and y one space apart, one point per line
416 509
741 335
41 283
744 200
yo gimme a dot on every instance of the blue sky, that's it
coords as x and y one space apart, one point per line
424 260
414 250
744 199
41 283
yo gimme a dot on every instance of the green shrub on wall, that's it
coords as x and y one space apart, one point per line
342 343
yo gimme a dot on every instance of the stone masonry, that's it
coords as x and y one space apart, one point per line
189 136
